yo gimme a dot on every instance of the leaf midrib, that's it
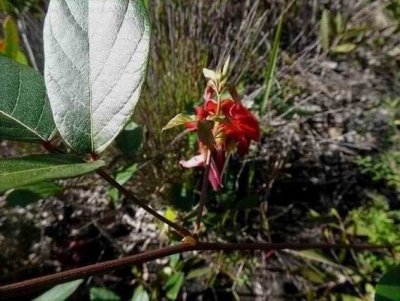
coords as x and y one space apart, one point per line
91 114
22 124
41 168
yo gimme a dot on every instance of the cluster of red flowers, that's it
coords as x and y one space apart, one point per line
223 126
234 128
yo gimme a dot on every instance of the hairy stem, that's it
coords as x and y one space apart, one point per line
40 283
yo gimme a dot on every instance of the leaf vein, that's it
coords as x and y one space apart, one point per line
63 51
24 125
113 43
41 114
19 92
122 73
73 17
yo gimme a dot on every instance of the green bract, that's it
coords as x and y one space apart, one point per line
95 63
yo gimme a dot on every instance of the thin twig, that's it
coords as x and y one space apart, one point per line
179 229
40 283
182 231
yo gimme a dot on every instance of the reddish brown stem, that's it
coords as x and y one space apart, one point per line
203 193
40 283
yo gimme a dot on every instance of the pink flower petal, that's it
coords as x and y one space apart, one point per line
194 162
214 176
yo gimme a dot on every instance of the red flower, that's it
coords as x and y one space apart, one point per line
239 126
234 125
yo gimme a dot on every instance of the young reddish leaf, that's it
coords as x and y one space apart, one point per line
179 119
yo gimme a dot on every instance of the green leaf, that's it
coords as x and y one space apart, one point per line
122 176
314 275
11 38
130 139
173 285
10 45
179 119
344 48
199 273
31 193
17 172
325 30
339 23
60 292
174 260
140 294
103 294
25 113
171 214
4 5
316 256
388 288
272 62
21 58
96 56
346 297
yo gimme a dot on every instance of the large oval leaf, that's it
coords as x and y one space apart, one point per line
17 172
95 63
25 113
388 288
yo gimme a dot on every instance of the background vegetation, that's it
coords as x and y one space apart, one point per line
327 168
